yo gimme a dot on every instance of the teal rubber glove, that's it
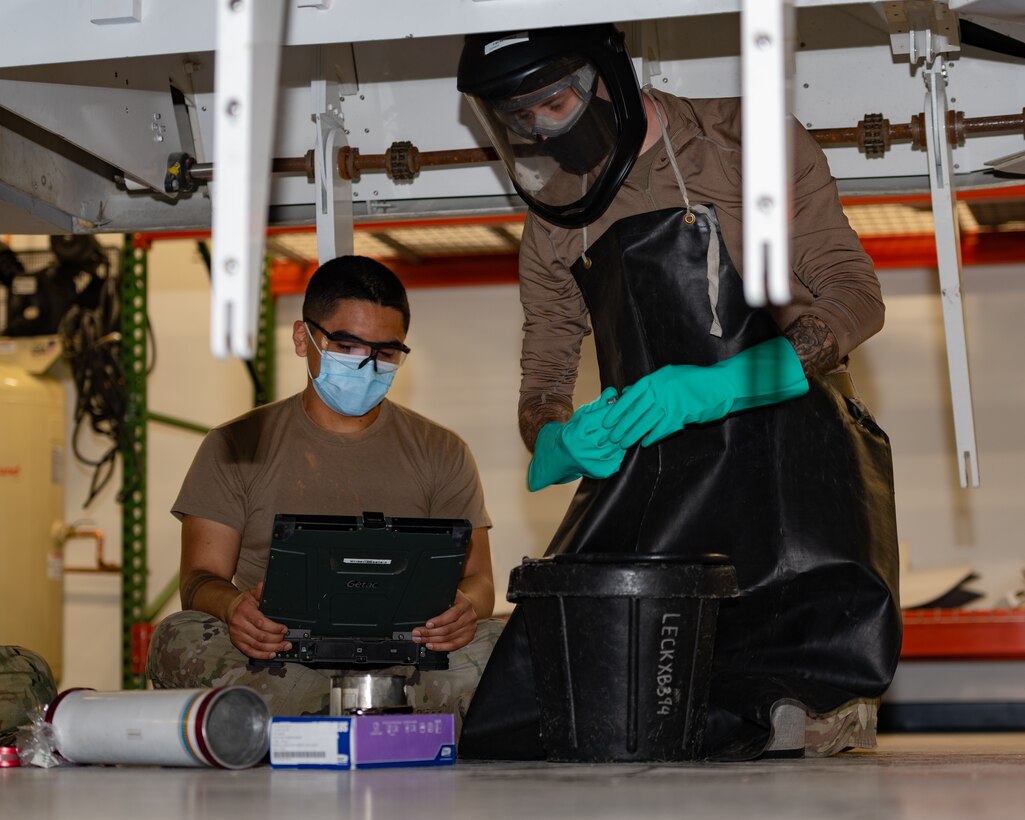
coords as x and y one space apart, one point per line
677 395
580 447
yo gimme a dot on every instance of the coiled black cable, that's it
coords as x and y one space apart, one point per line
91 338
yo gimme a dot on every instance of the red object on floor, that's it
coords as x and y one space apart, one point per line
9 757
956 634
141 633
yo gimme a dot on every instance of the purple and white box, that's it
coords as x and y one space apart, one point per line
362 741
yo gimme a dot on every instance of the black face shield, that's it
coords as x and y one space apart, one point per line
563 110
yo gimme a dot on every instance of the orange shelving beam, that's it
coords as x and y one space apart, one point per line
955 634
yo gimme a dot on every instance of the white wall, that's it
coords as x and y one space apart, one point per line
902 373
464 373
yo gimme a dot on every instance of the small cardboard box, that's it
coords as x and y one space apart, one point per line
362 741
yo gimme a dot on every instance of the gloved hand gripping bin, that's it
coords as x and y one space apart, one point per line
621 646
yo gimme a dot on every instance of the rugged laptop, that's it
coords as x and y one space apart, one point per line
351 589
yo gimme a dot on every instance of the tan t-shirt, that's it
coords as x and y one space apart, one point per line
275 459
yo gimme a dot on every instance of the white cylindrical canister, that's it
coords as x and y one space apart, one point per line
227 728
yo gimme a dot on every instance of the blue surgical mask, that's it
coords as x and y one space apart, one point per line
349 389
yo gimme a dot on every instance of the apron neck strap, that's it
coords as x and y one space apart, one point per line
669 150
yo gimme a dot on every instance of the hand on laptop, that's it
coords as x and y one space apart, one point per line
452 629
253 634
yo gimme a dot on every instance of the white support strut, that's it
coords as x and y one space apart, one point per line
766 52
948 255
249 36
334 194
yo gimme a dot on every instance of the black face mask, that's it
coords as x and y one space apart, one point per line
588 142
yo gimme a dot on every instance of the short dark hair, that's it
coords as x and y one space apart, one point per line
353 277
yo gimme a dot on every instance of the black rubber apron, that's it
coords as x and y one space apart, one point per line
799 495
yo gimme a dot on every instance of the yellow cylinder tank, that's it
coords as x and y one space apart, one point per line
31 512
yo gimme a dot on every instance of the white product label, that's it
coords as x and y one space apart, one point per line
382 561
314 742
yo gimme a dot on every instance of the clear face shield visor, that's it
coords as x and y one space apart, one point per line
555 140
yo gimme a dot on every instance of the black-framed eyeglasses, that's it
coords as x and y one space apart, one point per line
346 344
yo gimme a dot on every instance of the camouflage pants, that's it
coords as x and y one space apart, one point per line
26 682
192 650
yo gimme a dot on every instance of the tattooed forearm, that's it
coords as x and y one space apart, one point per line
815 344
536 415
191 585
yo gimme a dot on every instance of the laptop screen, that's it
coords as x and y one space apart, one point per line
362 576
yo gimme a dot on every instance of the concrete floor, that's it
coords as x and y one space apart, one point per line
909 776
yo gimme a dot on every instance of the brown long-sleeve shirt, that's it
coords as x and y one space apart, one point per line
832 278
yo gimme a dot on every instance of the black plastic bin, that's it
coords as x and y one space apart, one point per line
621 646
